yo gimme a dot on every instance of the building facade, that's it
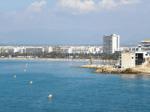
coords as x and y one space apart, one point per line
111 44
133 59
143 46
127 60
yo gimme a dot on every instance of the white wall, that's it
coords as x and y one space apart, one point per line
127 60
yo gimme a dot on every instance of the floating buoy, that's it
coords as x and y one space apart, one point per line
31 82
50 96
25 70
15 76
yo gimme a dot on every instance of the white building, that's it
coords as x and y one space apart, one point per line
34 50
124 49
78 49
7 49
62 49
127 60
133 59
111 44
50 49
141 57
19 49
143 46
145 43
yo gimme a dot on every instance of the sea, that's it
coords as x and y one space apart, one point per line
25 86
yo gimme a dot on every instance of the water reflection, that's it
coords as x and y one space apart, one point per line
146 77
129 76
135 76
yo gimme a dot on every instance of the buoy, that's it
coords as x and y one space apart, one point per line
25 70
31 82
15 76
50 96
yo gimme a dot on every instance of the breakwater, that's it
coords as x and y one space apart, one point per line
111 69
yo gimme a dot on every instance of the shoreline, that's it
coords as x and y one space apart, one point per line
97 67
111 70
51 59
55 59
46 59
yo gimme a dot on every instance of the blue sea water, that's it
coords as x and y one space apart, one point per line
74 89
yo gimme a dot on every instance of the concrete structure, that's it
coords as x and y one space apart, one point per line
47 49
50 49
141 57
133 49
133 59
78 49
145 43
19 49
127 60
6 49
143 46
124 49
33 50
111 44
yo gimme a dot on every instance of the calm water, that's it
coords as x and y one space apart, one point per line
73 89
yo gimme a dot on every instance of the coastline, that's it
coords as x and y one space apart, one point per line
60 59
140 70
48 59
98 68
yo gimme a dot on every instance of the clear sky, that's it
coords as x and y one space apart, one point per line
73 21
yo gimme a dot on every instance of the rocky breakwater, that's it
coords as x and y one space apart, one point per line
142 69
111 69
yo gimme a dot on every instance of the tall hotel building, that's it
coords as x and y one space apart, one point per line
111 44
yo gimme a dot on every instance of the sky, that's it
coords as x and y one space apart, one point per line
73 21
